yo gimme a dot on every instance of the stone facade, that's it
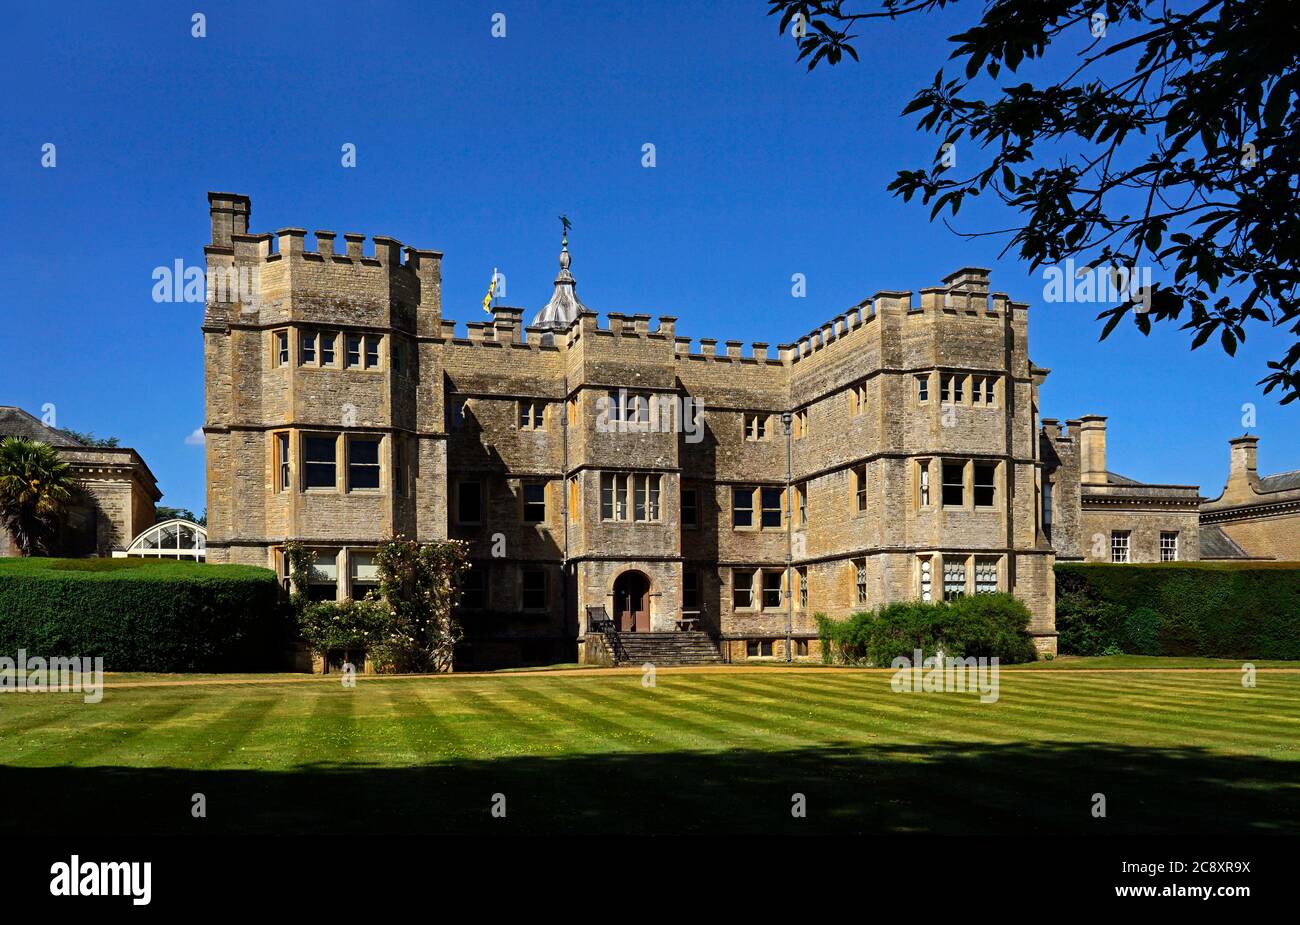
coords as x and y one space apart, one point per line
511 439
1095 515
1254 517
118 490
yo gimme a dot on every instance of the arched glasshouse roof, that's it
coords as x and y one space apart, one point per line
171 539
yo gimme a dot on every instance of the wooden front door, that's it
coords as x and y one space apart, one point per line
632 603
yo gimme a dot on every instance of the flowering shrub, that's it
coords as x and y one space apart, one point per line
350 625
406 626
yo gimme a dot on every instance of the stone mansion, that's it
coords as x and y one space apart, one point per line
619 469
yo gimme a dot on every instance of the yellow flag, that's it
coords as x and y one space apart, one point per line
492 288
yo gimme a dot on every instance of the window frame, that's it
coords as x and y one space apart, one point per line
987 562
858 399
647 497
747 509
349 361
354 557
329 558
377 465
861 593
747 589
618 508
991 487
531 415
531 517
765 508
400 450
951 565
952 388
766 588
861 499
308 463
631 497
283 462
280 347
944 484
691 590
1121 541
1172 548
694 507
478 485
307 341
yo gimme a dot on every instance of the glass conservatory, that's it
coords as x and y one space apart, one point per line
171 539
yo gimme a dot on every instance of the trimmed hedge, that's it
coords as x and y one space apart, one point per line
983 626
144 614
1215 609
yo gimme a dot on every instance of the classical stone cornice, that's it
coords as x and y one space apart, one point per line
1251 512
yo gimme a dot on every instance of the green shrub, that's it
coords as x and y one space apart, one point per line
327 626
1142 631
987 625
144 614
1085 625
404 626
1224 610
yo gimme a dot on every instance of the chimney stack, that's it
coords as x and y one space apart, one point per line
1092 449
1241 455
229 213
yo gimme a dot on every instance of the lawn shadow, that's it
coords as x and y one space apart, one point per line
1045 788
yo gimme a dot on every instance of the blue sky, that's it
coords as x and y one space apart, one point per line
473 145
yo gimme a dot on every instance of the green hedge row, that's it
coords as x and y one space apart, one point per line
983 626
144 614
1224 610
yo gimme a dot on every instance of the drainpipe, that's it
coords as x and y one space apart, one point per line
564 507
789 536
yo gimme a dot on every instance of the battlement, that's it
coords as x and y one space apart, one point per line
964 294
230 213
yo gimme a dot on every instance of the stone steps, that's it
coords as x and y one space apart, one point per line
693 648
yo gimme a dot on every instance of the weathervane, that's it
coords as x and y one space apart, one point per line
564 221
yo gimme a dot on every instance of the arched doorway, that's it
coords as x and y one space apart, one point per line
632 603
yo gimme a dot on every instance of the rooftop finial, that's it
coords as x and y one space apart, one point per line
564 306
564 238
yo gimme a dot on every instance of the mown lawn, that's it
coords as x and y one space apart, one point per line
719 750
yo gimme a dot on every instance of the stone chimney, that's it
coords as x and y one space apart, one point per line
1092 449
229 212
1242 475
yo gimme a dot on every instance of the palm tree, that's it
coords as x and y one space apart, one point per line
35 485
